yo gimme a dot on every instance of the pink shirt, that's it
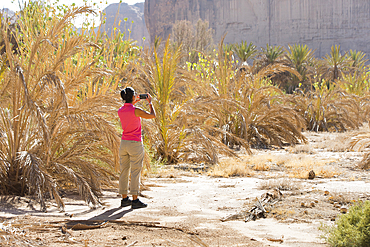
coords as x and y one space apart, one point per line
131 124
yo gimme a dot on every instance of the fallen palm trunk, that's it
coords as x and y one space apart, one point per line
99 223
258 210
80 226
71 223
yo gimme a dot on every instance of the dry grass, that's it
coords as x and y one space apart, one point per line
343 198
295 166
305 148
300 166
281 184
165 172
266 162
282 213
230 168
246 165
302 172
335 142
260 163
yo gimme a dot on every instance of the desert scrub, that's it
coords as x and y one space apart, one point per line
281 184
230 168
352 229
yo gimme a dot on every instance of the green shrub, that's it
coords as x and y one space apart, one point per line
351 229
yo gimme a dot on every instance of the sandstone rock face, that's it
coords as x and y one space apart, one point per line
317 23
117 12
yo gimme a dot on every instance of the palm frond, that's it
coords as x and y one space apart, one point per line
37 179
83 186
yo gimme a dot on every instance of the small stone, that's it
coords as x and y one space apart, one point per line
343 210
326 192
311 175
303 205
316 201
312 204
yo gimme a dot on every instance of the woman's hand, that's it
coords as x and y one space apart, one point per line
149 98
136 99
144 114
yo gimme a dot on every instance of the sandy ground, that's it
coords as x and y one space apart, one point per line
185 208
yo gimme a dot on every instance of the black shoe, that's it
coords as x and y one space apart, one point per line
138 204
126 202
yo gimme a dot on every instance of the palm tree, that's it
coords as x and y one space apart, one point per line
180 132
300 58
246 108
336 63
268 120
327 109
227 49
56 111
245 51
357 58
271 55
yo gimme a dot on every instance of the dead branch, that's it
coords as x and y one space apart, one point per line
258 210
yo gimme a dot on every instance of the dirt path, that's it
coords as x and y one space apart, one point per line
190 207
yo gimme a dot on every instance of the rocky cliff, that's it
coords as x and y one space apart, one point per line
7 14
117 12
317 23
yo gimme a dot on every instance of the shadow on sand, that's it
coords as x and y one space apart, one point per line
112 214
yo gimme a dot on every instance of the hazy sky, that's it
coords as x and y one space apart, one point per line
100 5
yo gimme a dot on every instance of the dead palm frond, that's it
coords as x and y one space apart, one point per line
245 107
327 109
359 142
58 108
268 120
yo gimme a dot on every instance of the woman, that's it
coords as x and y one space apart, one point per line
131 150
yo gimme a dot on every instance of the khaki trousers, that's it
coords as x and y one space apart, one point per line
131 156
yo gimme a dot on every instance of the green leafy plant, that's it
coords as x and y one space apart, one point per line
178 133
300 58
245 51
335 63
351 229
270 55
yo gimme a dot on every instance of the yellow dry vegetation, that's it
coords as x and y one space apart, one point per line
295 166
300 166
230 167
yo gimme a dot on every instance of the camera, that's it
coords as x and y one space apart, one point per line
143 96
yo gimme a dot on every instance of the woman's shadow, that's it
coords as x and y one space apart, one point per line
112 214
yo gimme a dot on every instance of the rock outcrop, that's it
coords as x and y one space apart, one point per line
117 12
8 14
317 23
